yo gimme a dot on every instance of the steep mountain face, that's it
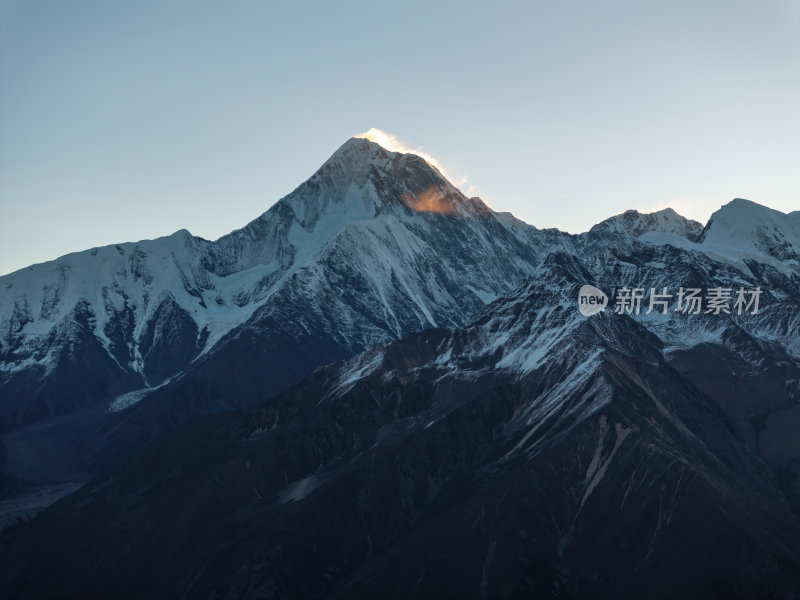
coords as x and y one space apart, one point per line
373 246
92 324
533 452
632 225
761 228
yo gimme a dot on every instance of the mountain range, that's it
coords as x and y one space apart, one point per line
420 409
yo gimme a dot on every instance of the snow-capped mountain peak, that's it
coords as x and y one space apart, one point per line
634 224
386 223
742 227
738 232
376 244
410 180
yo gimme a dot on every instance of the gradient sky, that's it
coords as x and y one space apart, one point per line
122 121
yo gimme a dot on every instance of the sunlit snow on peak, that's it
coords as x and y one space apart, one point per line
390 142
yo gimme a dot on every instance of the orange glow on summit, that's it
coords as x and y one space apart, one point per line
431 200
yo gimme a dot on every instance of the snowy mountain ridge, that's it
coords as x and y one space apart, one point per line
743 230
634 224
531 432
376 314
406 247
374 245
219 284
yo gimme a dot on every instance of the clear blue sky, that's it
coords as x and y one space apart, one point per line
128 120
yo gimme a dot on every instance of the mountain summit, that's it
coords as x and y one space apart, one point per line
744 229
373 246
